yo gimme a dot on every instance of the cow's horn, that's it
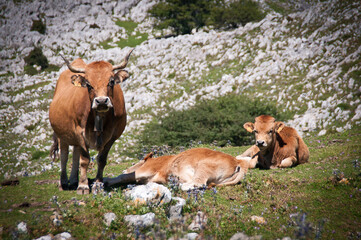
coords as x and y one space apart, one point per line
125 61
71 68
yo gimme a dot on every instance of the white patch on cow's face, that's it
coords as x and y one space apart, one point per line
264 136
102 104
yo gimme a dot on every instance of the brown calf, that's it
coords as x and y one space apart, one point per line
194 168
276 145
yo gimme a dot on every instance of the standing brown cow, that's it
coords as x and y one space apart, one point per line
87 111
276 145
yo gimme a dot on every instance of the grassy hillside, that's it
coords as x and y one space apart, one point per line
317 200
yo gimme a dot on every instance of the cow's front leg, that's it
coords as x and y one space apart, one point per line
64 151
83 187
102 160
288 162
250 156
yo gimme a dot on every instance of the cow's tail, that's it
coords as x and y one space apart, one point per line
54 149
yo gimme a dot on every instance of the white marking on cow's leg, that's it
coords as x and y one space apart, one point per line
83 187
64 151
74 174
288 162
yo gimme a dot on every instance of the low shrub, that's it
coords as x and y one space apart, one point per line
184 15
35 57
218 120
38 26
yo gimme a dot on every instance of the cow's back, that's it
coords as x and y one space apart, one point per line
203 159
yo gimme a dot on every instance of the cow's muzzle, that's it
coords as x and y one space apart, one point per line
102 104
261 144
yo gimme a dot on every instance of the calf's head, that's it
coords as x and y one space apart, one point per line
100 78
265 129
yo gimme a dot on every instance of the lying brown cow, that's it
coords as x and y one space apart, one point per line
194 168
87 111
276 145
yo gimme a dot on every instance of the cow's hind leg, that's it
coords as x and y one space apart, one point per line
74 175
64 151
288 162
83 187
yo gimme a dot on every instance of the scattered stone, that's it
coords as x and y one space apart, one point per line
152 193
199 222
141 221
322 132
57 219
109 218
243 236
175 212
47 237
63 236
286 238
22 227
239 236
259 220
191 236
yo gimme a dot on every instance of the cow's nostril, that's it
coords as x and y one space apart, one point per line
106 100
260 143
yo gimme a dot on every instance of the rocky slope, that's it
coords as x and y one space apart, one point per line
307 61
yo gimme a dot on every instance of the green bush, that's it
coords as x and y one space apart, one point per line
236 13
185 15
35 57
218 120
38 26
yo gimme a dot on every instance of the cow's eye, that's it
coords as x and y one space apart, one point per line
111 82
255 131
270 132
88 85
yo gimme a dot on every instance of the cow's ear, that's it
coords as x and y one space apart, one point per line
249 126
279 127
121 76
78 81
149 155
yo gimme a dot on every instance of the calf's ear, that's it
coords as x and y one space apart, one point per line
249 126
149 155
279 126
121 76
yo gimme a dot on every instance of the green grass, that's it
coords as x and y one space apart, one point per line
132 40
332 209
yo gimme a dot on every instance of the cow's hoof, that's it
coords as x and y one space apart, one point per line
82 190
73 186
63 186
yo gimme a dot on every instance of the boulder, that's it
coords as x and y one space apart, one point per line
199 222
175 212
109 218
151 193
141 221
